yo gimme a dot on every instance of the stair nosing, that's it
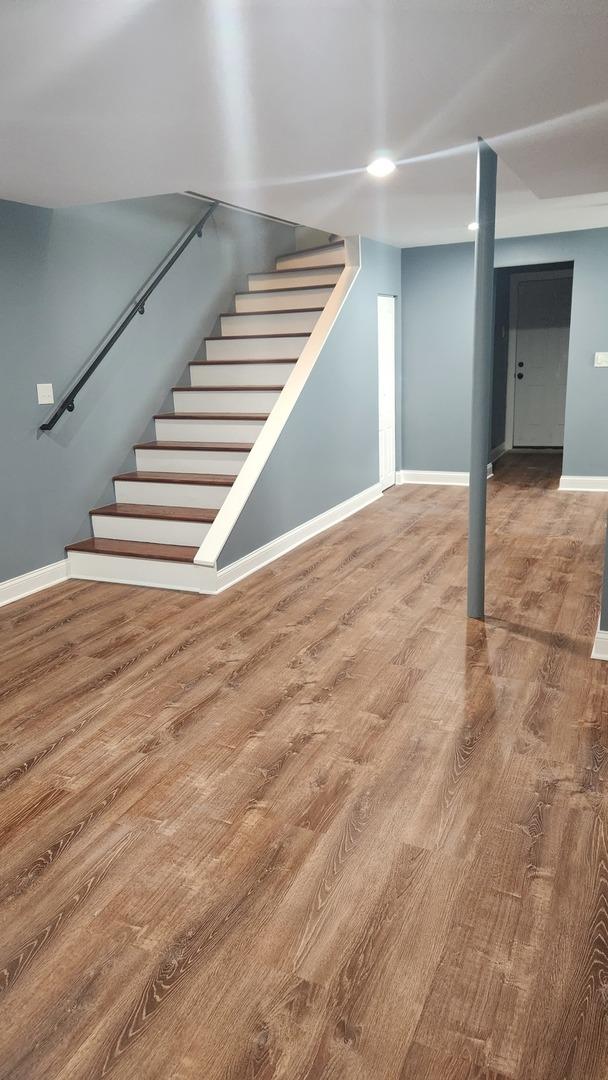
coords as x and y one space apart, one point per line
312 250
287 288
300 270
136 512
248 337
246 360
78 548
249 417
169 445
195 479
222 389
281 311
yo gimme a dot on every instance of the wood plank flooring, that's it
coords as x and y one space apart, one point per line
318 827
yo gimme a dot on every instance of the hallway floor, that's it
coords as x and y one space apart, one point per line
318 827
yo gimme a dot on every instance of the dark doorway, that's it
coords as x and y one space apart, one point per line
531 336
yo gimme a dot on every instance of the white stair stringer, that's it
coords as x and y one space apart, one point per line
244 484
166 530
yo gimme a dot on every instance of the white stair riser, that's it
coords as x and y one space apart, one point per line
292 279
155 573
247 401
285 322
259 374
150 530
301 260
254 348
208 430
194 461
286 299
159 494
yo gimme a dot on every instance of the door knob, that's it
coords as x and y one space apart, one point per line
519 375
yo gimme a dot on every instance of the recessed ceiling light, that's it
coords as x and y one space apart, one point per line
381 166
473 227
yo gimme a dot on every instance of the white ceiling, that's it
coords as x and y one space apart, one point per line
278 105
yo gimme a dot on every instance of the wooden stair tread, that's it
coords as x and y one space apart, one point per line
162 513
239 448
135 549
250 337
210 479
302 270
245 360
282 311
309 251
211 416
286 288
210 389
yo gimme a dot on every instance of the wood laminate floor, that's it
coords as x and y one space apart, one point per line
319 827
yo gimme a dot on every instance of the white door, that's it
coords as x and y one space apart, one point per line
386 388
542 325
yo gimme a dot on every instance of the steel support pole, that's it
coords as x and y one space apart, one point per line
482 376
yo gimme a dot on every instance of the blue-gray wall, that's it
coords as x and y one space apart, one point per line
328 451
437 347
65 276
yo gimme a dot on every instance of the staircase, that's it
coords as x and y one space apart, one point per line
151 534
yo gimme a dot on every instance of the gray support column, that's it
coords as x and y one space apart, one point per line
482 376
604 608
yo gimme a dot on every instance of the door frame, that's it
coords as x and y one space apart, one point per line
388 296
514 281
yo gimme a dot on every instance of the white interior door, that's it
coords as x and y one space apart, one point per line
542 325
386 388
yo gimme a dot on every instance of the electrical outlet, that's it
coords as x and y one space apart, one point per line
601 359
45 393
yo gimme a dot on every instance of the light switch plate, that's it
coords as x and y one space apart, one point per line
45 393
601 359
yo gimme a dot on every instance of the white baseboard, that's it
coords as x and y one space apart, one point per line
427 476
32 582
498 452
600 645
229 575
583 483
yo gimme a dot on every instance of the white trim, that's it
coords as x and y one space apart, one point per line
498 452
240 491
32 582
583 483
600 645
150 573
427 476
240 569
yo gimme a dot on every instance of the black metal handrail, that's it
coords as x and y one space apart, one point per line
137 307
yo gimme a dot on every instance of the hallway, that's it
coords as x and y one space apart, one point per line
318 826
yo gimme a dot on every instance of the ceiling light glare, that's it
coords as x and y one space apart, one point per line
473 227
381 166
